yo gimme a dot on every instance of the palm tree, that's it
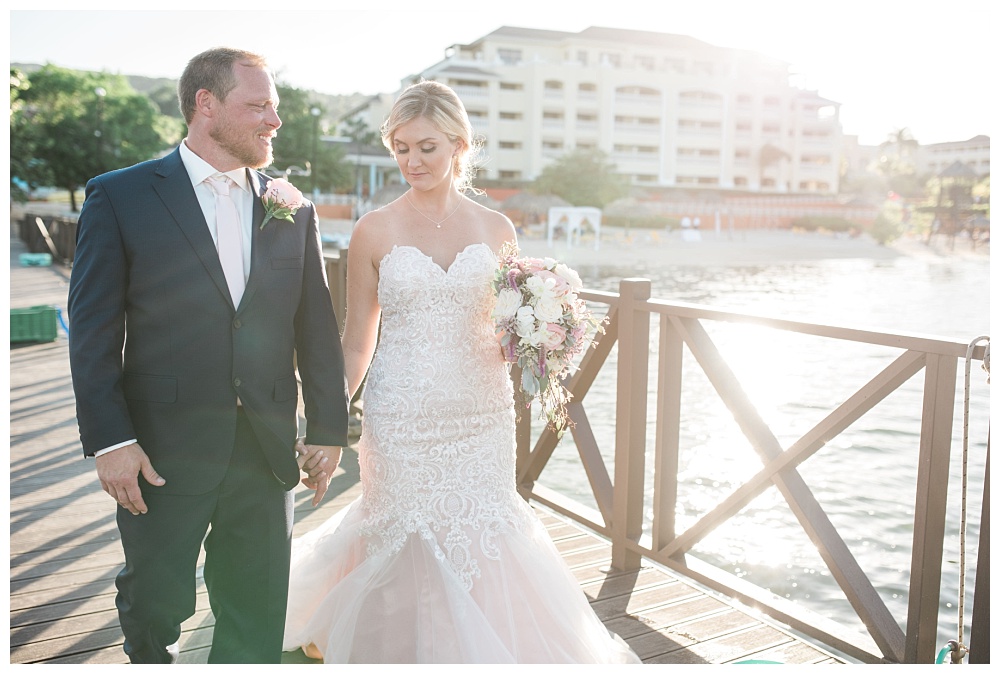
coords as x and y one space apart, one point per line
897 152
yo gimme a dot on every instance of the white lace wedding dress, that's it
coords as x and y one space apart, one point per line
439 560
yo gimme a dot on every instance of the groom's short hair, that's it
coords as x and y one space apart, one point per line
212 70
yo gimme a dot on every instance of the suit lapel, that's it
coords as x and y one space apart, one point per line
173 186
260 248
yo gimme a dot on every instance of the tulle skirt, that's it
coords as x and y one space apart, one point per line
356 603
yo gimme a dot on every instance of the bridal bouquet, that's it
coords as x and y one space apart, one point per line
543 326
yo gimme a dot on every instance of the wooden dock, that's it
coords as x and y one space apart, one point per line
64 549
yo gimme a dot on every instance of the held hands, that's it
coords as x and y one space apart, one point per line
118 472
318 462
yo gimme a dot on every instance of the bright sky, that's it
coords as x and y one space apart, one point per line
925 66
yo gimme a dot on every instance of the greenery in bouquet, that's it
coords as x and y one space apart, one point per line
543 326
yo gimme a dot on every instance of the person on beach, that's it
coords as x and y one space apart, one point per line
189 302
440 559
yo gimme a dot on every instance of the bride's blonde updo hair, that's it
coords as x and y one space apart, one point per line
440 105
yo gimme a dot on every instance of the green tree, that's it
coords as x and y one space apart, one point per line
26 172
583 178
299 144
84 124
896 161
165 99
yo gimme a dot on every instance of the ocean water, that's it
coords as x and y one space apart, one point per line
865 477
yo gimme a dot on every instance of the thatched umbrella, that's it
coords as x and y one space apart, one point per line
530 208
484 200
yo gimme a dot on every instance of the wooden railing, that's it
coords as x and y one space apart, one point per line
620 500
51 234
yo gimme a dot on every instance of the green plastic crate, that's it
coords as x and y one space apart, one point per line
35 259
34 324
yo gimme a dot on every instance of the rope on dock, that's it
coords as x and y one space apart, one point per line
957 647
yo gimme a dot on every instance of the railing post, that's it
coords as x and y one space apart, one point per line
668 433
630 431
336 277
930 509
979 639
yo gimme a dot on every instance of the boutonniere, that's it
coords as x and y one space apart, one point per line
281 200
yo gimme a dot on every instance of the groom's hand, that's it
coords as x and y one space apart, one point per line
118 472
319 462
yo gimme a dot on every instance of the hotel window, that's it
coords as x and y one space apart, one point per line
703 68
772 102
740 181
510 145
676 65
511 86
614 60
553 86
646 62
509 56
510 175
581 57
472 84
744 100
700 97
586 145
586 117
511 115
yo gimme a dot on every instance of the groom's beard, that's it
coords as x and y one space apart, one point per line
247 148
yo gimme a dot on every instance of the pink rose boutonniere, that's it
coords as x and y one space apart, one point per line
281 200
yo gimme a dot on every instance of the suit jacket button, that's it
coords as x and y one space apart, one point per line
237 324
236 383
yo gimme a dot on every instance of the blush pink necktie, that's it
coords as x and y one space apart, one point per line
230 243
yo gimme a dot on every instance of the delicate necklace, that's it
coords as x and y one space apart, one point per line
437 223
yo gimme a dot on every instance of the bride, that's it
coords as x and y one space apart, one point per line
439 560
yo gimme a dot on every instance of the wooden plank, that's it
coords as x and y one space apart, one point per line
730 648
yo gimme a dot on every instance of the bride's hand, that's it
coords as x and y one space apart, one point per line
319 462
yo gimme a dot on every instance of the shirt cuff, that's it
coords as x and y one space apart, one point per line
113 447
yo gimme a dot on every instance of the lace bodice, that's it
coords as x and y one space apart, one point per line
437 448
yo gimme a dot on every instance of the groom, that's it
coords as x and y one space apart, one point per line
187 318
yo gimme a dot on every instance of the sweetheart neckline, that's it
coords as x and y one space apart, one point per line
432 260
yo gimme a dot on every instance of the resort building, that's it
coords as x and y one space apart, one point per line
974 153
668 110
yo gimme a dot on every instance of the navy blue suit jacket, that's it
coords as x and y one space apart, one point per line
159 353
